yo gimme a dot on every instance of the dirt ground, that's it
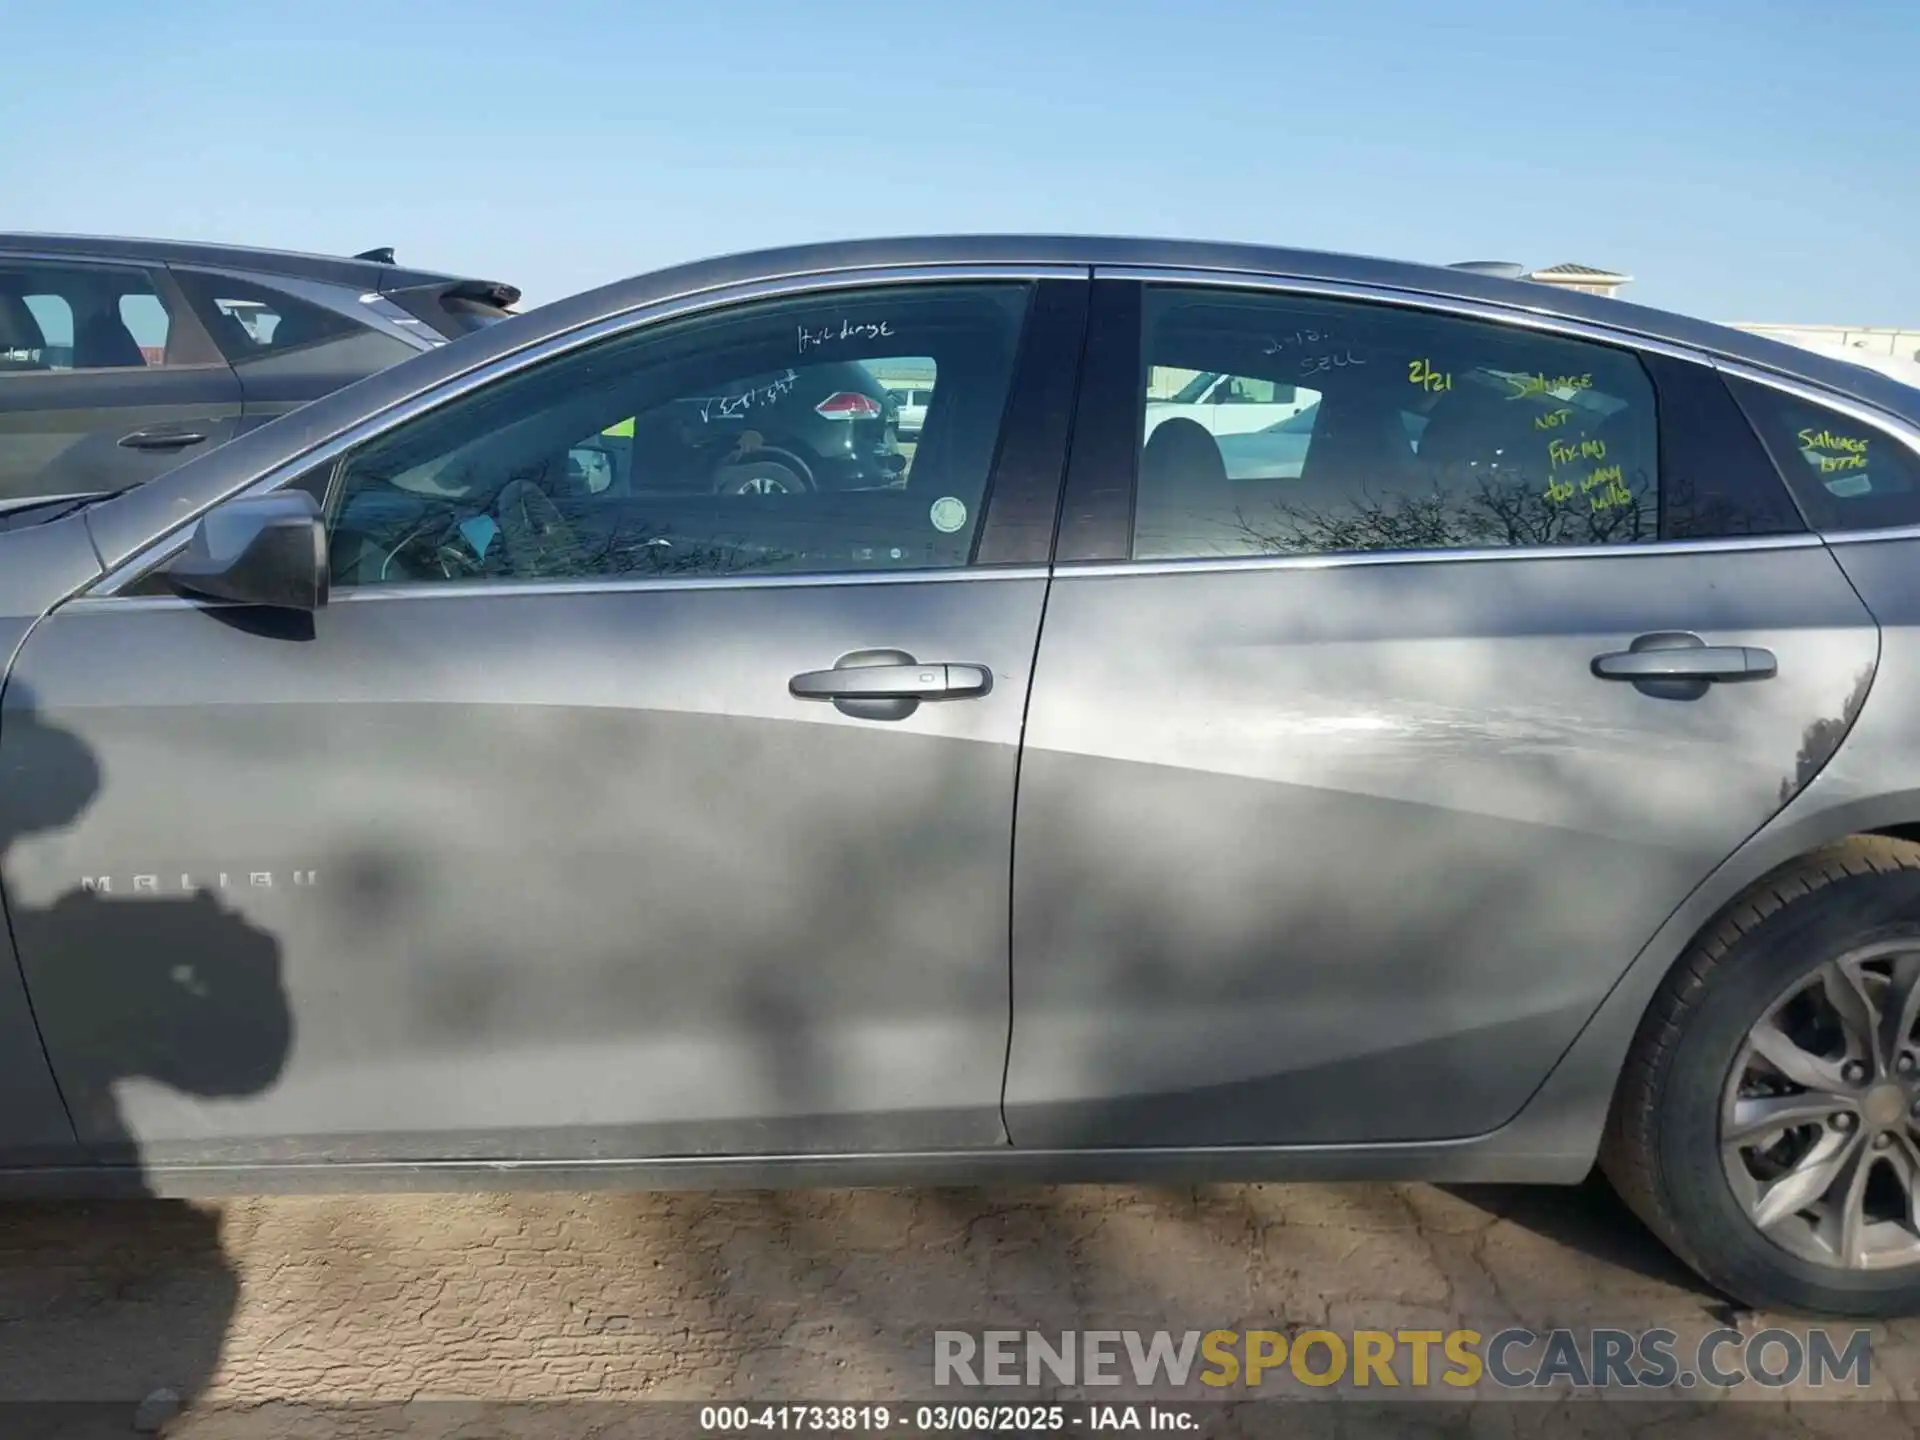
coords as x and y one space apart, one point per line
827 1295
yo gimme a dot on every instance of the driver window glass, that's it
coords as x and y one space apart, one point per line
768 439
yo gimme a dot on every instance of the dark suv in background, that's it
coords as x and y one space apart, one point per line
814 426
120 359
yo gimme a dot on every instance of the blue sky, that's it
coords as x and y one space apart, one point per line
1744 159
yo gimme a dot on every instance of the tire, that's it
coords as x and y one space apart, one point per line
1662 1148
763 477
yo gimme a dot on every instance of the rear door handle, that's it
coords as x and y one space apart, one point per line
1679 655
162 439
889 684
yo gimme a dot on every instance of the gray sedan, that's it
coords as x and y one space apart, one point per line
395 802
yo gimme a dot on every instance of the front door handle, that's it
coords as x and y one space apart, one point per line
162 439
889 684
1682 656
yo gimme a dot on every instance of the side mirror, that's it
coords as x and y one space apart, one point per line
258 550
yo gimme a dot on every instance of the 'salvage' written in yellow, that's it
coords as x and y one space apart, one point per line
1525 385
1827 440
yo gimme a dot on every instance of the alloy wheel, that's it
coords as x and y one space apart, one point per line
1820 1120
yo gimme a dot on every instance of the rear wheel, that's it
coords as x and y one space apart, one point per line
759 477
1767 1126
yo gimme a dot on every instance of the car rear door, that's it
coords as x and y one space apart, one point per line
589 819
106 378
1346 796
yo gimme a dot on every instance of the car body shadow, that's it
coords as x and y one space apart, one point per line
130 1298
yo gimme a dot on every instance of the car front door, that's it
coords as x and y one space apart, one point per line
589 819
1348 794
106 378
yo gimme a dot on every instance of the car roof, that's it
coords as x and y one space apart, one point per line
337 269
1523 297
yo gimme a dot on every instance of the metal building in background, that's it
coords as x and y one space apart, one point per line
1890 340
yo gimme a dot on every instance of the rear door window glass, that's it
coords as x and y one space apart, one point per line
147 321
1313 426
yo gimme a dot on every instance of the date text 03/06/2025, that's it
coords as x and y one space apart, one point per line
969 1419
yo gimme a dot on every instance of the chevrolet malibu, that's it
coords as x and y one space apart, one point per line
397 797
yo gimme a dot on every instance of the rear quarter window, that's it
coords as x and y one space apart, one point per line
1845 474
252 323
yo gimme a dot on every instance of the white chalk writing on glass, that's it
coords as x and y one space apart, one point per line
845 330
1314 364
731 407
1274 344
